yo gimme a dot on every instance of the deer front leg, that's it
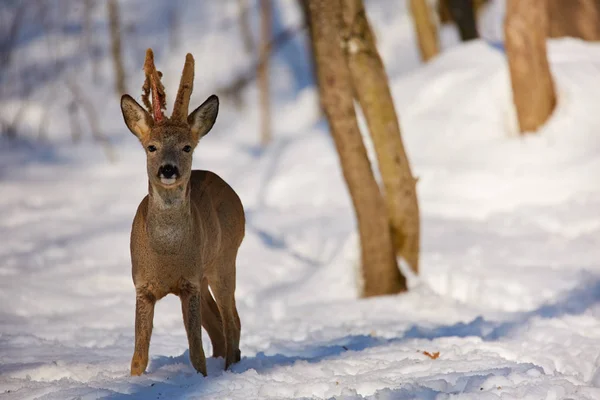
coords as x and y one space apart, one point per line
190 306
144 314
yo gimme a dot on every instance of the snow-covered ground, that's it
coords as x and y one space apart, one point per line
507 305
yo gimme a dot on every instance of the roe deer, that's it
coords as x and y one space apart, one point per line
187 230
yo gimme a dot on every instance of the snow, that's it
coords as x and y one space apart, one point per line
509 292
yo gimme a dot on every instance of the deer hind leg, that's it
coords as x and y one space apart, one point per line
238 330
144 314
191 302
212 322
223 286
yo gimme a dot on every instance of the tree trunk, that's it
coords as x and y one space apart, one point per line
9 34
174 25
575 18
263 73
425 28
371 88
463 14
525 29
88 23
245 30
115 40
379 268
443 8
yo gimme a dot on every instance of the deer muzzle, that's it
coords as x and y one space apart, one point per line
168 174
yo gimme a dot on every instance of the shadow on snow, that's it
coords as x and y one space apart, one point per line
176 383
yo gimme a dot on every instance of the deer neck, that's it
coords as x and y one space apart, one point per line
169 219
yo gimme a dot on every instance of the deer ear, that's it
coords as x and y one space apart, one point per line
202 119
136 118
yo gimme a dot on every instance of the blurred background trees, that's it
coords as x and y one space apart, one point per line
256 23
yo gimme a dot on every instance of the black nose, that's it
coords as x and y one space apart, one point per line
168 171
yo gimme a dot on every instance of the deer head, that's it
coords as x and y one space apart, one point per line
169 142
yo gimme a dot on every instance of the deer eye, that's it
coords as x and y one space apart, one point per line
187 148
151 148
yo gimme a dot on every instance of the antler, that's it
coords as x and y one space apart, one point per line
153 84
186 85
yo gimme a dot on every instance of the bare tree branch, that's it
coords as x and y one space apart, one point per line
115 36
234 88
90 113
266 24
